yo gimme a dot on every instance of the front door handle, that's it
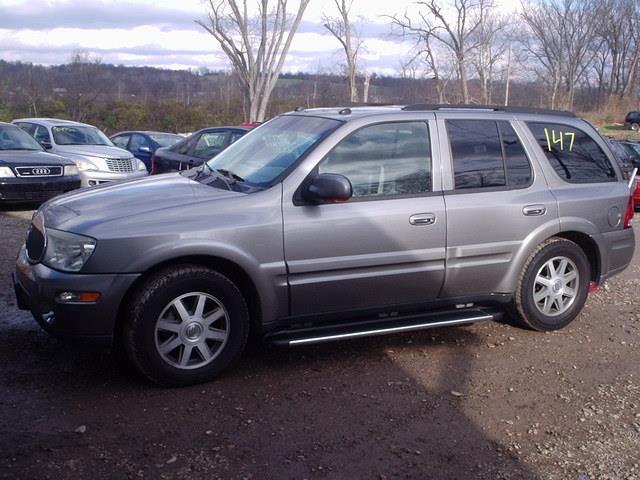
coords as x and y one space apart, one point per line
422 219
534 210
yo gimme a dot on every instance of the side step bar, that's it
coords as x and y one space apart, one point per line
331 333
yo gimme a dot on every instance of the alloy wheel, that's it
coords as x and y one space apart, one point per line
192 330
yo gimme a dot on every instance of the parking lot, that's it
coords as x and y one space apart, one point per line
483 401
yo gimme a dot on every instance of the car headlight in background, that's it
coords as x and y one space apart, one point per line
140 165
85 165
70 170
67 251
6 172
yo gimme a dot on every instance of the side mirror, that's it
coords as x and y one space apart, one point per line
144 149
328 188
46 145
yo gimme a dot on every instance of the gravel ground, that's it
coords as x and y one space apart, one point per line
487 401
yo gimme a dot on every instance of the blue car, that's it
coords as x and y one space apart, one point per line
143 144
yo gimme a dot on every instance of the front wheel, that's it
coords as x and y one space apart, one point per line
186 325
553 286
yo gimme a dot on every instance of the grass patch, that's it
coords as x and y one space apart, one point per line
618 131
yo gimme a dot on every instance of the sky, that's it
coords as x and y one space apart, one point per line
163 33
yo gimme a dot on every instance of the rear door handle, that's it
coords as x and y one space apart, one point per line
422 219
534 210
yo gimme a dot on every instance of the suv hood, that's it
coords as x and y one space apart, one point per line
23 157
132 201
102 151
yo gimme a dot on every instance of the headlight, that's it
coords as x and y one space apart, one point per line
70 170
67 251
6 172
141 165
85 165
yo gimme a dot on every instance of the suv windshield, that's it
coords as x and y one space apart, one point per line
14 138
264 154
79 135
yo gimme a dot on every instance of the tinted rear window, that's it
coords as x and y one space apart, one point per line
573 154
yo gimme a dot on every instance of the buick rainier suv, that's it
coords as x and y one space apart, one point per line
331 224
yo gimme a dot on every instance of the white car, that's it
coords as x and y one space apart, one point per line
98 159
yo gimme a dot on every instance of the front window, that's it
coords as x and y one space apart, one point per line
79 135
384 160
209 144
14 138
264 154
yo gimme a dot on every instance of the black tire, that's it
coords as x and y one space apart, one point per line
524 305
153 297
635 127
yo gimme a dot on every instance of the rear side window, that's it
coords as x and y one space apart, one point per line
573 154
487 154
41 134
121 141
384 160
30 128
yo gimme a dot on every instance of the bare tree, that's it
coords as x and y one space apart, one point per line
256 45
89 83
343 30
619 53
492 44
561 39
457 32
366 83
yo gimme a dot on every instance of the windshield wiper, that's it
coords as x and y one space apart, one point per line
205 166
229 174
21 148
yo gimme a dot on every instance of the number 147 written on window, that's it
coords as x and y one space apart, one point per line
559 138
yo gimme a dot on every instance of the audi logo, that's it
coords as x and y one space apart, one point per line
41 171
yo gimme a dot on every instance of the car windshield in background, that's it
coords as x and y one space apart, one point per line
635 147
262 155
79 135
165 140
14 138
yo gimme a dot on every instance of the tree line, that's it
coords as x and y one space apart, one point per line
580 55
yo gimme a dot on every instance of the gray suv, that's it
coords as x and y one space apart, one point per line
329 224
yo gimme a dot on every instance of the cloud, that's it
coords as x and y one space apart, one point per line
164 34
39 15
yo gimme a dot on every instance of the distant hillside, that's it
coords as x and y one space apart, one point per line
117 97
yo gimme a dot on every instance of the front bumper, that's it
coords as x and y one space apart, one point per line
91 178
23 189
37 287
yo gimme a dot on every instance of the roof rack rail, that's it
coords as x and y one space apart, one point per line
496 108
371 104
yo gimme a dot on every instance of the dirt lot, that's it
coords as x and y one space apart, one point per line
486 401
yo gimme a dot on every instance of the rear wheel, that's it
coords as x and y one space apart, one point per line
186 325
553 286
635 126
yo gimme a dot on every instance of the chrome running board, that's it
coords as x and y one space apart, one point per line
331 333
